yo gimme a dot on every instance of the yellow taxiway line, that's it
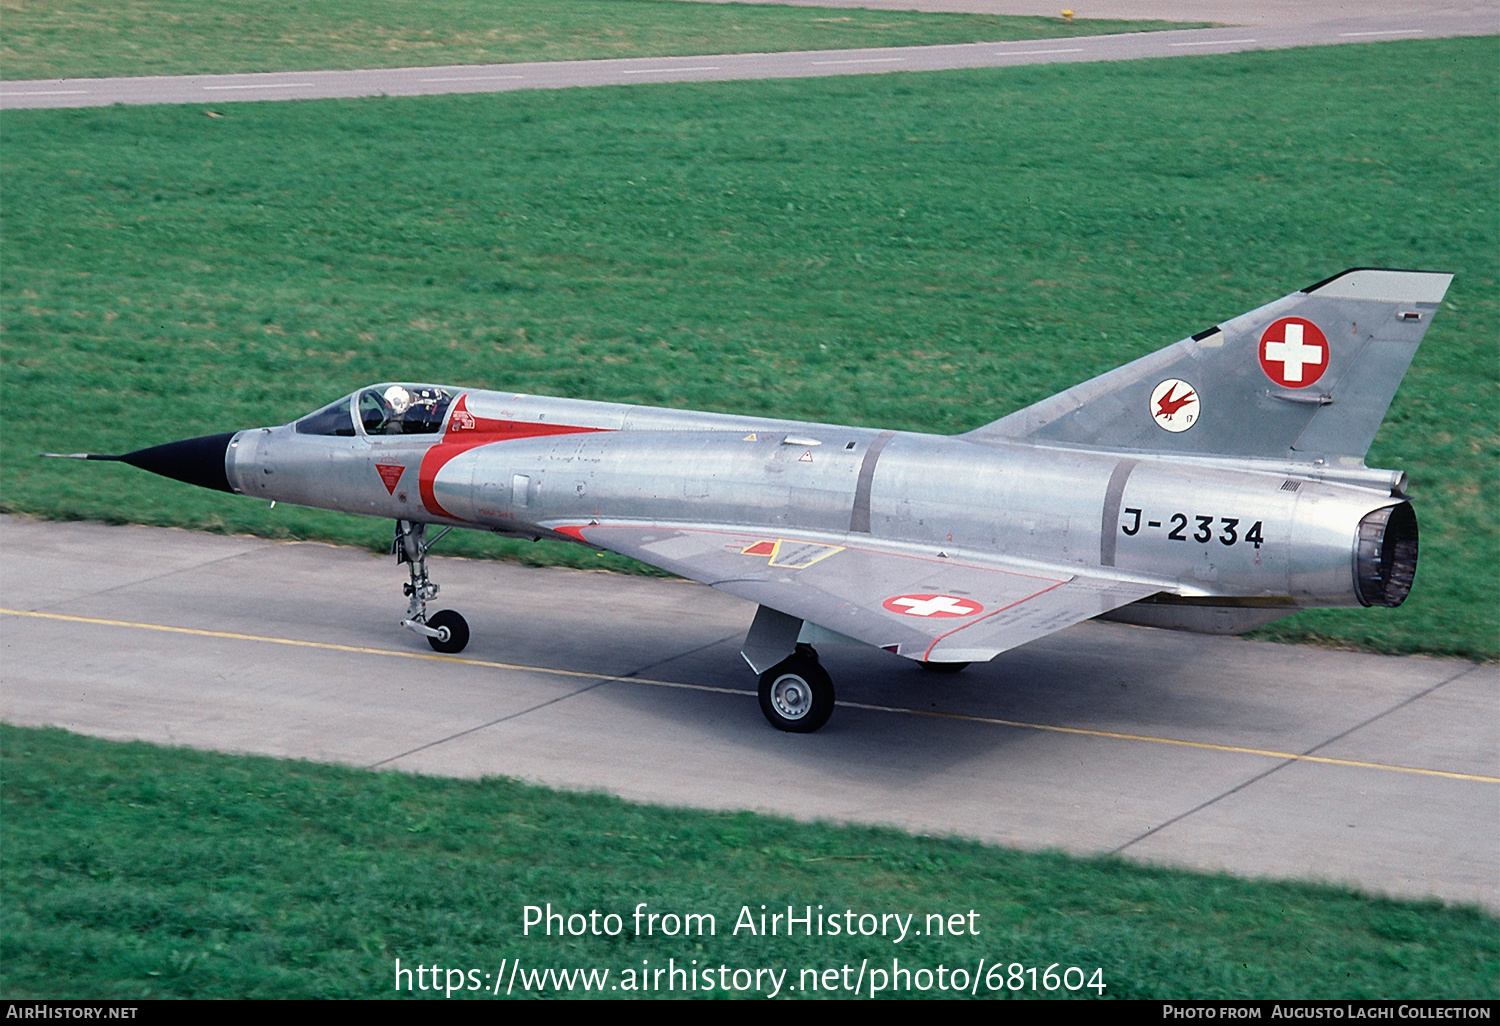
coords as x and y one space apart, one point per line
962 717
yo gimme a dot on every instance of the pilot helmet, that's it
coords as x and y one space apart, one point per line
398 399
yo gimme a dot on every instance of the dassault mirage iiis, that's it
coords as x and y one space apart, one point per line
1214 485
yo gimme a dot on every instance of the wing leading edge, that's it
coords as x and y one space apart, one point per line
923 607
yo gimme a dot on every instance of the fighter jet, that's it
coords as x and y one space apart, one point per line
1215 485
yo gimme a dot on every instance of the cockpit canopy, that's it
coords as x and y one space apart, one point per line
382 410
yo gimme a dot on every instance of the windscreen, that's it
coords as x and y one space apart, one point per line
332 419
403 409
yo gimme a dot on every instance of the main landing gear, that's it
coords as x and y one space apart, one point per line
445 630
797 694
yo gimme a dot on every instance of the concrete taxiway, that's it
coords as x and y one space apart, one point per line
1288 24
1224 12
1210 753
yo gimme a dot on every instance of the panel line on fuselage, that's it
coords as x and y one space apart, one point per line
1112 498
859 516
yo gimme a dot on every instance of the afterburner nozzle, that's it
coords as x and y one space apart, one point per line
198 461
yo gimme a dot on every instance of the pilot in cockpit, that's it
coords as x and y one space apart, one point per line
392 410
397 401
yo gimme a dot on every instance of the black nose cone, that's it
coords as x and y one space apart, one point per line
198 461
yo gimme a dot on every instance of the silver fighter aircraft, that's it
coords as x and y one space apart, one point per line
1215 485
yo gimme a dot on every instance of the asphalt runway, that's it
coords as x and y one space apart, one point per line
1210 753
1287 24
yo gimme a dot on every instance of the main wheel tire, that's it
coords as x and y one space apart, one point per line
456 626
943 667
797 694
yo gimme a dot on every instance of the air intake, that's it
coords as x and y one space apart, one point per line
1385 557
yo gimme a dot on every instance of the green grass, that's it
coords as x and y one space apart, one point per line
923 252
140 872
70 38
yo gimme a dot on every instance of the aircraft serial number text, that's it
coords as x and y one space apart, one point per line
1198 528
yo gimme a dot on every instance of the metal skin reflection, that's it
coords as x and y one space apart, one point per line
1215 485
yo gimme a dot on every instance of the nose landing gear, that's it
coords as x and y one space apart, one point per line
446 631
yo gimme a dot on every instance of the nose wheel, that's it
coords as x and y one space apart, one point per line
452 631
796 694
446 631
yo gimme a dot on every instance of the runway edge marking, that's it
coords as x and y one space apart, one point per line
961 717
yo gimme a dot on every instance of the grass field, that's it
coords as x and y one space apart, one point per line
922 252
73 39
138 872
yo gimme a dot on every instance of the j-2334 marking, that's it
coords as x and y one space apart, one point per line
1227 532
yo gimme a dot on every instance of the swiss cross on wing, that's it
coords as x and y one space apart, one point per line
1293 352
940 606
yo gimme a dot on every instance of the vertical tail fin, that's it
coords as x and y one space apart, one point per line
1305 378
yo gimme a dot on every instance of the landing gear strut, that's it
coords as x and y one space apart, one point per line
445 630
797 694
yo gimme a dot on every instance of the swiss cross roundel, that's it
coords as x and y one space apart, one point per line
934 606
1293 352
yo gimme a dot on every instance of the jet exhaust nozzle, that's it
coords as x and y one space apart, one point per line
198 461
1385 555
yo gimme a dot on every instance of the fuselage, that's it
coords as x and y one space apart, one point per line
1213 485
1252 532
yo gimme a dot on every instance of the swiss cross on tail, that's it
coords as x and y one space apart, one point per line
1293 352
